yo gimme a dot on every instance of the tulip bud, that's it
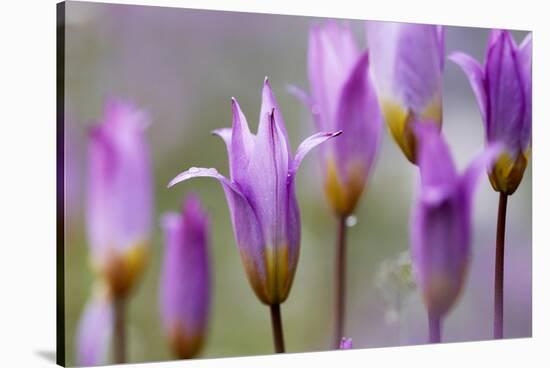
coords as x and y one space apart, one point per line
185 283
503 90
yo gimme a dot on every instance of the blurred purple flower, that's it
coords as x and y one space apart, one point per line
343 98
503 91
95 329
441 219
119 195
185 283
407 68
261 196
346 343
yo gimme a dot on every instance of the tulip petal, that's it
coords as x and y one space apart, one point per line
94 332
185 285
246 226
225 134
436 165
525 60
120 191
407 62
307 145
440 250
266 178
331 50
475 75
360 118
482 163
269 105
506 92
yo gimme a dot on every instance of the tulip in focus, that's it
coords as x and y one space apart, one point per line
407 67
441 223
502 87
185 283
262 200
343 98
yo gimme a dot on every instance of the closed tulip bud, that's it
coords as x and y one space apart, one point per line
441 220
261 196
119 196
502 87
407 66
185 282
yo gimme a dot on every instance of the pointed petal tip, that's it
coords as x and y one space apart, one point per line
335 134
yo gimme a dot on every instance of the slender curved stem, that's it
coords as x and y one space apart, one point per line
119 334
435 328
277 325
498 327
340 282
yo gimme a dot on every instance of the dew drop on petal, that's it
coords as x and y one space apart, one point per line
193 170
351 221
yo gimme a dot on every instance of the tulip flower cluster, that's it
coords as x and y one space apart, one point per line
397 78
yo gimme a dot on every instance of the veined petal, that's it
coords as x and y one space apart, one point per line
307 145
437 170
475 74
248 230
242 143
95 331
267 172
270 106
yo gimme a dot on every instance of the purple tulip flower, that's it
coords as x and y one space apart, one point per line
343 98
185 283
503 91
95 329
407 67
119 196
261 196
346 343
441 220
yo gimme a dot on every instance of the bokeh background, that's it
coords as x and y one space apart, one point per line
182 66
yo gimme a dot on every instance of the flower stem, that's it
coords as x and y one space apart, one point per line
119 330
498 327
435 328
340 281
277 325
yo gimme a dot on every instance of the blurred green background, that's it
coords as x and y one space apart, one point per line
182 66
